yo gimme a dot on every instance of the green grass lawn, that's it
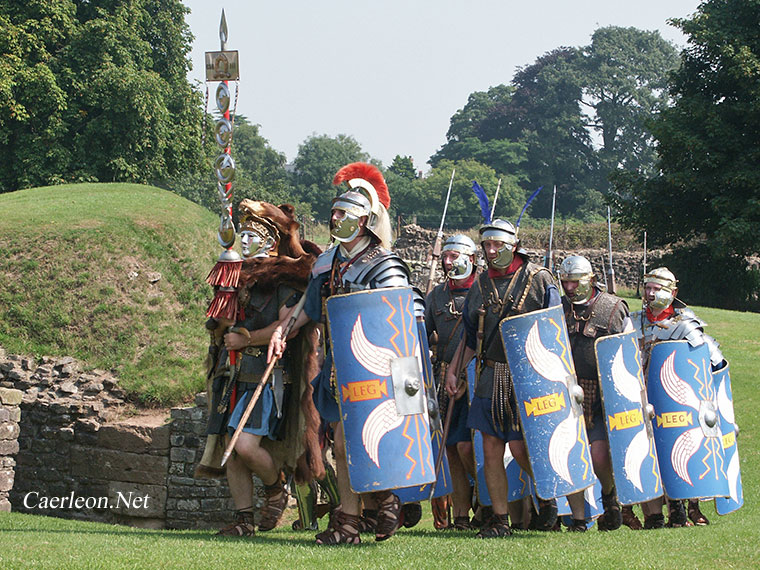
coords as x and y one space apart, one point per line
732 541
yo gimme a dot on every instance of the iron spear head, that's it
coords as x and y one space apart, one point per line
223 35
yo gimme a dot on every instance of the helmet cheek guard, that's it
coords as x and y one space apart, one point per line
505 232
664 296
461 268
578 268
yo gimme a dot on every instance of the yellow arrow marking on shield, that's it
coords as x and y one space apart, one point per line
364 390
545 404
626 419
675 419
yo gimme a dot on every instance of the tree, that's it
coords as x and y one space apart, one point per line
315 165
427 198
705 194
96 91
625 79
403 166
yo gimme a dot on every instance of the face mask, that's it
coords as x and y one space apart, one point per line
346 228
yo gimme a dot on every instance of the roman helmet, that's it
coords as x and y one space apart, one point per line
462 265
258 236
664 296
503 231
578 268
368 196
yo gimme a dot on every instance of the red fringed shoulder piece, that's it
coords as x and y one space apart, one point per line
368 172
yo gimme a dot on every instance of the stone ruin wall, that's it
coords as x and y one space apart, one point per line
66 433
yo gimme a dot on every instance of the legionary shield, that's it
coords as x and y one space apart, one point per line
729 430
443 484
627 418
548 397
687 430
592 506
378 369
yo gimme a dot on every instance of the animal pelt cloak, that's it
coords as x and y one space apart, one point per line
299 450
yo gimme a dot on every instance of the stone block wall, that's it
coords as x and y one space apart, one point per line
193 503
10 415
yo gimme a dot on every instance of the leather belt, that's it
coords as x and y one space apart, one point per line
492 363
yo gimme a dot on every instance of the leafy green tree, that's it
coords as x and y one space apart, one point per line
624 84
96 91
403 166
315 165
429 195
705 193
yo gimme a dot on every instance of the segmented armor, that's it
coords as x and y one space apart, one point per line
683 325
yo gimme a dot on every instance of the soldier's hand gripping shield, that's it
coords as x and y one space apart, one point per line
729 431
380 386
628 418
687 430
549 401
443 485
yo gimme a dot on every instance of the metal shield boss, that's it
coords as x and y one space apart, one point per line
628 418
379 380
443 484
549 400
687 430
729 431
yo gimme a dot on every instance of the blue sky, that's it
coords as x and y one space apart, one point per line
391 73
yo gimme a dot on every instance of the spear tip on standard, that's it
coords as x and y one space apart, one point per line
223 34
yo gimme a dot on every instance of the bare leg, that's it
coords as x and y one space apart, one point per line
462 491
496 476
349 500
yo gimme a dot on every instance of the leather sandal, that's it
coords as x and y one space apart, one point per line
276 500
368 521
498 527
695 515
612 517
630 519
388 515
461 523
243 525
343 529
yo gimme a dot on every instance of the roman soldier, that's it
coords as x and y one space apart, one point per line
664 317
360 261
274 270
512 285
591 313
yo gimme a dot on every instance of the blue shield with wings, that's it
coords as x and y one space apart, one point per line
379 378
687 430
729 431
627 416
548 397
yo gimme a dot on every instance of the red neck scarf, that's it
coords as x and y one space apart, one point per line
666 314
466 284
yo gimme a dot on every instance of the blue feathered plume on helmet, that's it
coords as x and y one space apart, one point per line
485 210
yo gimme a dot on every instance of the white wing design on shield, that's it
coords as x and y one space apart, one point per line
635 455
626 383
725 405
561 443
674 386
376 359
380 421
732 473
543 361
683 450
590 497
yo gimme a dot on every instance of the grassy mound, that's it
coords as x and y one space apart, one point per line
112 274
